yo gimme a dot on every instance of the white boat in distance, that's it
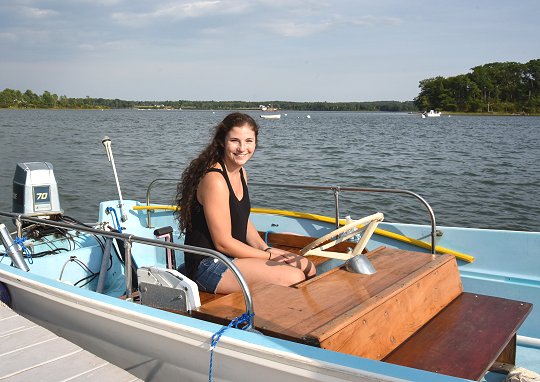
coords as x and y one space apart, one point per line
271 116
431 113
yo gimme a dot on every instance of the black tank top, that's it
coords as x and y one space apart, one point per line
199 235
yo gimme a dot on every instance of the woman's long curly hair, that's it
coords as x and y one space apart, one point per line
186 191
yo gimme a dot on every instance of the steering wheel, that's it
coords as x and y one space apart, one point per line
351 229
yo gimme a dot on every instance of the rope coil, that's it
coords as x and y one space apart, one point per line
26 252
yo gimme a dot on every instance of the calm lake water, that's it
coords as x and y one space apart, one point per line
474 171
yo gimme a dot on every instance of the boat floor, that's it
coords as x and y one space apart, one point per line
29 352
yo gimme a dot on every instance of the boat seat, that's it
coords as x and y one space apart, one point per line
167 289
207 297
490 325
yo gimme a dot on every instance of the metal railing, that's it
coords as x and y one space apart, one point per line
129 240
149 219
336 190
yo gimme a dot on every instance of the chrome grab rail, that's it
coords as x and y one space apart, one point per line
129 239
336 190
149 221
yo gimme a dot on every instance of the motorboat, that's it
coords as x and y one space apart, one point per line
271 116
431 113
391 300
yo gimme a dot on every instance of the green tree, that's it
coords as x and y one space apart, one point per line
31 99
508 87
10 98
48 99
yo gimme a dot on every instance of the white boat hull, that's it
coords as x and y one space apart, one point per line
431 114
271 116
162 346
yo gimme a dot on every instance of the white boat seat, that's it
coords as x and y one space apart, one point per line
167 289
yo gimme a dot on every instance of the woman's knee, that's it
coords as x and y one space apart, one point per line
293 276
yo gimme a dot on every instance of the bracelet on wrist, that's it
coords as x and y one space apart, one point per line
269 253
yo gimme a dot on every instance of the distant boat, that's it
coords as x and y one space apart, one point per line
268 108
431 113
271 116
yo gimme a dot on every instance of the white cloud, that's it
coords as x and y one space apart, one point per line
176 11
102 2
293 29
38 13
8 37
369 20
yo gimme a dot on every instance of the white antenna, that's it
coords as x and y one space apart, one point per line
107 144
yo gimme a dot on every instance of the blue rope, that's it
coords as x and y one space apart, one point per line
118 226
244 318
266 237
26 252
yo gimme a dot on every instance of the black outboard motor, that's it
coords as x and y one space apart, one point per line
34 190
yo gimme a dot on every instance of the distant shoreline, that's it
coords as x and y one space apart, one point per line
444 113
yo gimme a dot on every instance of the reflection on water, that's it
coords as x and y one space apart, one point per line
474 171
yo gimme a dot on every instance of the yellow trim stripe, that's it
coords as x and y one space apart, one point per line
326 219
154 208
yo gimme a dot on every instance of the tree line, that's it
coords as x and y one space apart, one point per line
10 98
498 87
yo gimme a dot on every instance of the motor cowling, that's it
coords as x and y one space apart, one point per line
35 191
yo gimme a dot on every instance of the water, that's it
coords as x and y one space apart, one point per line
474 171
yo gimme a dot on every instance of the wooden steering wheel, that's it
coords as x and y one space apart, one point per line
351 229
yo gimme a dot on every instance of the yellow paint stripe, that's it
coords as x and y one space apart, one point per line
154 208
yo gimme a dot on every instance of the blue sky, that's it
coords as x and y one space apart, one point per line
256 50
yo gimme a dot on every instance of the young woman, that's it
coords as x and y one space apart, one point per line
214 213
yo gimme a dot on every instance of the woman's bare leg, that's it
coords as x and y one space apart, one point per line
296 261
253 270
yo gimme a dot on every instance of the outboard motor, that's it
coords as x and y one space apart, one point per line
34 189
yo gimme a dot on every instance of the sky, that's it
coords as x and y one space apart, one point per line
256 50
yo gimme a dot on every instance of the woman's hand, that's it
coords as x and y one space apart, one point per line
283 256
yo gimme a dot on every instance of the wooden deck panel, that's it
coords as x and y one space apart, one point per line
29 352
489 325
334 304
425 315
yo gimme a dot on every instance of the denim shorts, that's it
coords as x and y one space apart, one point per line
209 274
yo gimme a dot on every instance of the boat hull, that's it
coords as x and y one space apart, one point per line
160 346
157 345
271 116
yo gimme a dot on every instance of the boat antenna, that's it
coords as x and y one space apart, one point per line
107 144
